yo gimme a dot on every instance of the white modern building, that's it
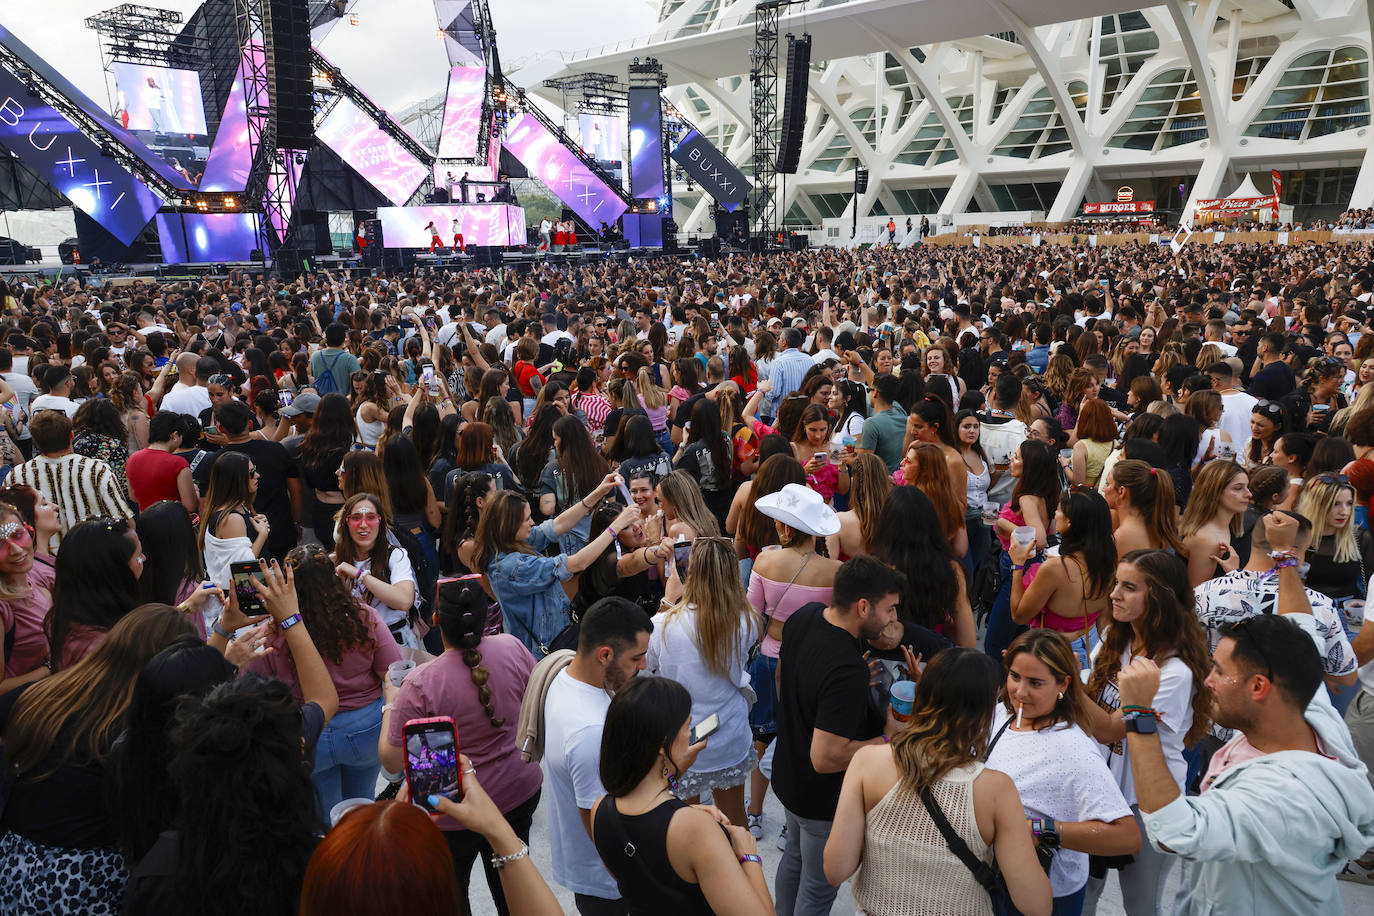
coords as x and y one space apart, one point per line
995 106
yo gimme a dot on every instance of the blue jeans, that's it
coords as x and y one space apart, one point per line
346 762
1001 628
979 545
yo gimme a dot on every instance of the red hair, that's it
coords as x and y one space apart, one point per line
387 857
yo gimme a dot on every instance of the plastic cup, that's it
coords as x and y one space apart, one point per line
1226 451
849 442
397 671
1353 609
337 812
990 513
1025 535
903 696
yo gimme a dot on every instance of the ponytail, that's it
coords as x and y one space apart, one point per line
462 619
648 390
1152 495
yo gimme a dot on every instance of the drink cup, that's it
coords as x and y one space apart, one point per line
1226 451
990 513
849 442
397 671
1025 535
903 696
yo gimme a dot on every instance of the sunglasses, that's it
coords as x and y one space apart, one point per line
1338 479
14 536
364 518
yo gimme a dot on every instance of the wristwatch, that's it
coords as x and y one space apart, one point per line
1141 723
1046 831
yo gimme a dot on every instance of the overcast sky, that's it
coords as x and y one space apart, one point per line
393 54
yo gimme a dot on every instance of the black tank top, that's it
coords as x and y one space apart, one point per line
635 850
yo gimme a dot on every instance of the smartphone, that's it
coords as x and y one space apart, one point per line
681 551
427 375
704 729
432 760
243 575
212 430
284 398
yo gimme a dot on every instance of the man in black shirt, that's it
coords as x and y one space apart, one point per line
824 716
1275 379
279 481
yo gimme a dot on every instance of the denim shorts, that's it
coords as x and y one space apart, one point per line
763 672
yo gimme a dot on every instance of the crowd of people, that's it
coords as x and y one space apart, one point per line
1003 569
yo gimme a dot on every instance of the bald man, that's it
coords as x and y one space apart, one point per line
190 395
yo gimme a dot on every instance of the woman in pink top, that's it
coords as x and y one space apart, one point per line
785 578
479 682
25 597
357 649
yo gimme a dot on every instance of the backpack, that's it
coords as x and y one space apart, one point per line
986 583
324 382
426 575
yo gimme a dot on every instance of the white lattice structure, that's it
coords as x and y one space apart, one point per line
1041 117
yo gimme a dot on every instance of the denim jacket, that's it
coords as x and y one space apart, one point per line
529 590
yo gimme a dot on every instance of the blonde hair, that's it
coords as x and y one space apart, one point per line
870 483
715 592
684 496
1317 497
1205 500
649 392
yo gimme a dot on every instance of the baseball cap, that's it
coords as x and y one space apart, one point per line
305 402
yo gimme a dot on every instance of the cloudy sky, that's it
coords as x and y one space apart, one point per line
393 54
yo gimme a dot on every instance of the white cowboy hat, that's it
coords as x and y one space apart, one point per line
801 508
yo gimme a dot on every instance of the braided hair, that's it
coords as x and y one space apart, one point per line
462 618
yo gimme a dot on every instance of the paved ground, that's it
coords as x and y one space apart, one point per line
1359 898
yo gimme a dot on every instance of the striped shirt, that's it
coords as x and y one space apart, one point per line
789 369
78 486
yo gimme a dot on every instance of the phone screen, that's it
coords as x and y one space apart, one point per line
284 398
681 552
243 575
432 760
705 728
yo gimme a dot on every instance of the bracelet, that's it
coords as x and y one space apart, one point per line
1141 710
218 629
500 862
647 561
289 622
1015 568
583 501
887 739
612 532
750 857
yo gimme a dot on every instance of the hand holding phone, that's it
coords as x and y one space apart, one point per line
432 768
243 576
704 729
682 550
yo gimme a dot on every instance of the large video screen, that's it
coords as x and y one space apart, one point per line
95 112
62 155
231 157
467 87
646 143
603 137
163 108
192 238
380 160
562 172
479 224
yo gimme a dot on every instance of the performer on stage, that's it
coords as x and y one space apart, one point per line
458 237
560 236
545 228
435 241
571 234
463 187
360 235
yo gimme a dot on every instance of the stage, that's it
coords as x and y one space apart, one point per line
486 225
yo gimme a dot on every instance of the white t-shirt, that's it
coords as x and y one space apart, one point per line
1059 773
1235 415
400 571
53 402
1174 702
574 714
673 653
192 400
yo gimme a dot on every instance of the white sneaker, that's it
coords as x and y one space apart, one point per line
782 839
756 826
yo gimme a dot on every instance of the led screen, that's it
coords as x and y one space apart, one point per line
467 86
480 224
380 160
158 99
95 112
59 152
190 238
562 172
646 144
230 157
712 170
603 137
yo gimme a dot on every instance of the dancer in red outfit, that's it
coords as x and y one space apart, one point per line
458 238
434 240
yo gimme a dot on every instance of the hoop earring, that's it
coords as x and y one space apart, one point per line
672 779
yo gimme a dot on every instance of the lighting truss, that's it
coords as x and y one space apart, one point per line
146 35
763 79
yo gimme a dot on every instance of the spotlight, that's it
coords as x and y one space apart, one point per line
230 202
203 205
354 20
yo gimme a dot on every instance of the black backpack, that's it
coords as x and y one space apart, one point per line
426 574
986 583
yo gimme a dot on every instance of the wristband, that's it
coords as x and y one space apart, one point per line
1141 710
1015 568
750 857
289 622
612 532
218 629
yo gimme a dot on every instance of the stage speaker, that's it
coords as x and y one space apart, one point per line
860 181
758 244
708 248
486 255
289 72
794 103
797 242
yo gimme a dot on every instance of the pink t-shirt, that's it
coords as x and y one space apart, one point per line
781 602
28 649
81 641
444 687
1239 750
357 676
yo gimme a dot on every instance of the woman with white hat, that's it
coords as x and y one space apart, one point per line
785 577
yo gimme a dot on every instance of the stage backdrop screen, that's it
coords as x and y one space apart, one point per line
603 137
230 158
467 86
95 112
380 160
710 168
480 224
163 108
62 155
189 238
646 144
562 172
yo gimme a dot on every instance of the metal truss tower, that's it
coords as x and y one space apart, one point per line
763 78
268 178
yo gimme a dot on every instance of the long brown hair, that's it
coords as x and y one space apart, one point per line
347 551
950 718
1205 500
1052 650
363 472
333 617
714 591
1170 628
72 717
496 533
932 478
869 484
1152 495
756 530
679 489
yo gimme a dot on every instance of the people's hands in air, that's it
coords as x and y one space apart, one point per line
628 516
277 589
247 646
1019 552
1138 682
1281 530
232 617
